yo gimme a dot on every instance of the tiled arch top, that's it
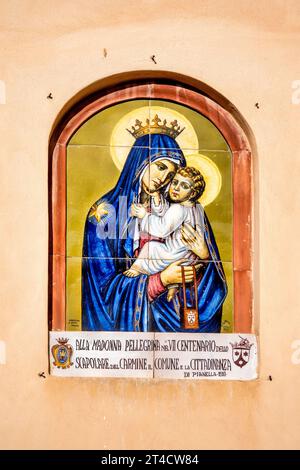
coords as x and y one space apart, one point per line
242 191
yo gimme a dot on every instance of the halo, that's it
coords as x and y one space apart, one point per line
211 175
121 140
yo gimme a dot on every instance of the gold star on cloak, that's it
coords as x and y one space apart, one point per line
98 211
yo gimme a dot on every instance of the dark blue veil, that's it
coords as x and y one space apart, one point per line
114 302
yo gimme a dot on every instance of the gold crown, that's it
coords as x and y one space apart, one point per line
173 130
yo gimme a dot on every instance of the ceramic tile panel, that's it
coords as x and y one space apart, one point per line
107 175
106 277
91 174
196 131
213 206
157 296
110 126
216 168
166 304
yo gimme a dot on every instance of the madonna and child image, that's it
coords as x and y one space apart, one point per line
150 261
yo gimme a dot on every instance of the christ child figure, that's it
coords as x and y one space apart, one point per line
180 208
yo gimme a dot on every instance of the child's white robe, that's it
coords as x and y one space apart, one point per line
155 255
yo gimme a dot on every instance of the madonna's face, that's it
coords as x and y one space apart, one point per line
157 175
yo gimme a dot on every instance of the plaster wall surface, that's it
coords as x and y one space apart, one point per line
249 53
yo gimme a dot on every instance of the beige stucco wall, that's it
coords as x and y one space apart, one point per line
249 52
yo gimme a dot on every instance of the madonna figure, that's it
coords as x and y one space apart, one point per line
116 297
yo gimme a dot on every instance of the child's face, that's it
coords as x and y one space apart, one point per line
181 188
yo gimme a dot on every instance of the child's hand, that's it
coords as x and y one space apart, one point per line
138 210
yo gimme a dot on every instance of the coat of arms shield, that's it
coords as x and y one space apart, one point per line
241 352
62 353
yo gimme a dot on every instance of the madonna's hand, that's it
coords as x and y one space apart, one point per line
172 274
